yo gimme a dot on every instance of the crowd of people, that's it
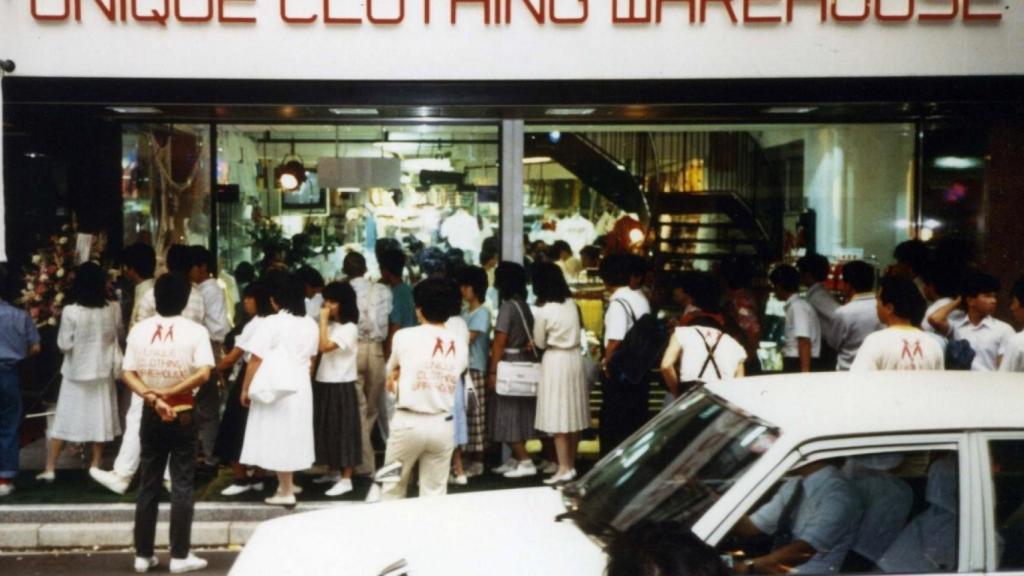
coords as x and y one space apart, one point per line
303 371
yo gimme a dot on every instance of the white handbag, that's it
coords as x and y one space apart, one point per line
519 378
272 379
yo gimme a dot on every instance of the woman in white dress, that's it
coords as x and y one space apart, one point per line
278 390
89 338
563 407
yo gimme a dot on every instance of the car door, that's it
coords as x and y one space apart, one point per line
1001 457
935 531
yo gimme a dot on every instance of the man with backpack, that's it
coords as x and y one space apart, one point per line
986 336
624 399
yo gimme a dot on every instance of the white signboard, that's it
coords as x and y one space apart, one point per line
512 39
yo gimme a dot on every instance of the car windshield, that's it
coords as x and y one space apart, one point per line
674 468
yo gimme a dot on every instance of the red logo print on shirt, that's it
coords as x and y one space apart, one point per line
911 353
438 348
159 334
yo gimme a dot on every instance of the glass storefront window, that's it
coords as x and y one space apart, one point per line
165 184
310 194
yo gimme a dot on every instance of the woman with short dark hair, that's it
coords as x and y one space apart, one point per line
513 416
563 407
89 336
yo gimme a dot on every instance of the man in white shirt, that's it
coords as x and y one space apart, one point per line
127 461
987 336
374 302
167 357
623 408
902 345
423 373
803 329
313 284
941 282
138 265
858 317
1013 357
215 319
814 271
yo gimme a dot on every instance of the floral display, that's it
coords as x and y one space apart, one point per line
48 278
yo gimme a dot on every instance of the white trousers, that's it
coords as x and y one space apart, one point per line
128 456
428 439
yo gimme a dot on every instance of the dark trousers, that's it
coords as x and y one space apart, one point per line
208 417
10 417
623 411
160 440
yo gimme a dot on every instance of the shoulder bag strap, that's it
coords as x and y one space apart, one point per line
711 355
629 310
526 327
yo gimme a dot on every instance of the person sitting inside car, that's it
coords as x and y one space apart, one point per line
928 543
812 520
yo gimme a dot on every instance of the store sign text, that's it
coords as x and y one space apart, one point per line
501 12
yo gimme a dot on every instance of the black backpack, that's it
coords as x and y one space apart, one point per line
641 349
959 355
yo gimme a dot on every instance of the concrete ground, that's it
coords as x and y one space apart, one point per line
100 563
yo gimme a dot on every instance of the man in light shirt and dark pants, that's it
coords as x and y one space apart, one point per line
802 344
215 319
859 316
423 372
374 302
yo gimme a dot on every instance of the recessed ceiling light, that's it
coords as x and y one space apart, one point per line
957 163
135 109
569 111
537 160
34 155
354 111
790 109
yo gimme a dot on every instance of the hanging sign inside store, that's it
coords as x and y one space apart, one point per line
509 12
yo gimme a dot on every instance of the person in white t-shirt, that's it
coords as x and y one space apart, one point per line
167 358
814 271
336 425
423 372
941 283
623 408
901 345
803 329
1013 356
987 336
701 352
858 317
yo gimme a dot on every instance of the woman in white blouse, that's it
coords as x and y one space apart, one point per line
563 405
89 334
279 431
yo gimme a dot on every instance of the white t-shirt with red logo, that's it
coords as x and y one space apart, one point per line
165 351
899 348
430 360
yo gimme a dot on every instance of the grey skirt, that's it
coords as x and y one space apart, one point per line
511 418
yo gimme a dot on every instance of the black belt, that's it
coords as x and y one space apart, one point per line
446 417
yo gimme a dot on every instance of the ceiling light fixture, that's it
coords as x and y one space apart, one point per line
957 163
290 174
790 110
537 160
569 111
354 111
135 109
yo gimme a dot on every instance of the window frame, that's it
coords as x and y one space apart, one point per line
981 441
971 548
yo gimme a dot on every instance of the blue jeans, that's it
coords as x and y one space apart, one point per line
10 417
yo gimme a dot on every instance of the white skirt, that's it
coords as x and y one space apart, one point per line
563 403
86 411
279 435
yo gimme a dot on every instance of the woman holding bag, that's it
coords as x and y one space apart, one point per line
513 416
563 407
278 390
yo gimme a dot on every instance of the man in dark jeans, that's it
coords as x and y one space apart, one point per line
167 357
18 340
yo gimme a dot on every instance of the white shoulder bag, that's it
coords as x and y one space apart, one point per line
519 378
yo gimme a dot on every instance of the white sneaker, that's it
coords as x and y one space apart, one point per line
561 478
373 496
458 480
111 481
509 464
474 469
281 500
342 486
142 565
236 489
522 470
296 489
6 489
547 467
191 563
47 477
327 479
256 486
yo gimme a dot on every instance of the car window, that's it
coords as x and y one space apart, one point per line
674 468
893 512
1007 459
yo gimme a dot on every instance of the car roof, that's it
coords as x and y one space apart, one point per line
857 403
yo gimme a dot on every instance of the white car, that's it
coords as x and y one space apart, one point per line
935 459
